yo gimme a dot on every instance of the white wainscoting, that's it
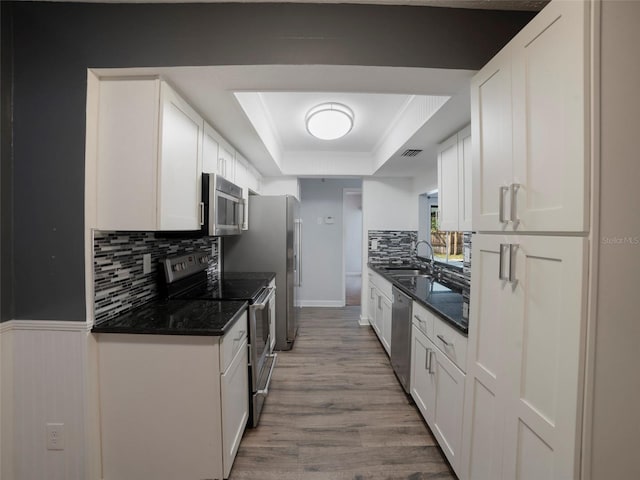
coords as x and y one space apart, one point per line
47 378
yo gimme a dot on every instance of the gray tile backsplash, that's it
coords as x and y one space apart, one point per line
391 246
394 246
119 282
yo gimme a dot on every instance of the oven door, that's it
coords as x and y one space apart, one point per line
261 360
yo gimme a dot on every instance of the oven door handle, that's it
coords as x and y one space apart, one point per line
265 390
264 300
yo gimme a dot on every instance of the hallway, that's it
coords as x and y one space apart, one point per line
335 411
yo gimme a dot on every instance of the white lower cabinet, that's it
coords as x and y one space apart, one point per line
158 422
379 309
437 387
235 412
522 415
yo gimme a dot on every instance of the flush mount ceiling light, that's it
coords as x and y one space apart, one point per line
329 121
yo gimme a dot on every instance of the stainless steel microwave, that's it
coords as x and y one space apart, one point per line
222 206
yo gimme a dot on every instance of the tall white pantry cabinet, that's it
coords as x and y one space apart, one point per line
531 162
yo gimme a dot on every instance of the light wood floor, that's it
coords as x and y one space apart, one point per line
335 411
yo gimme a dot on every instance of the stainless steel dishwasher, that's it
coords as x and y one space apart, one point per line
401 337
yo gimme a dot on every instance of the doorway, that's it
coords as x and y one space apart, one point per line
352 245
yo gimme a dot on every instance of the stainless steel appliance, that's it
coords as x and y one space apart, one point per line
186 279
222 206
401 337
273 244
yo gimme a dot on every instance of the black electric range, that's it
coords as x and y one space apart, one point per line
187 280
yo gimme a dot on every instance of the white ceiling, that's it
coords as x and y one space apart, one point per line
213 92
373 114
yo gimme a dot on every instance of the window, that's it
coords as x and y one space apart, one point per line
448 247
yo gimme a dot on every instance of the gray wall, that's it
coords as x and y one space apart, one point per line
616 387
55 43
322 244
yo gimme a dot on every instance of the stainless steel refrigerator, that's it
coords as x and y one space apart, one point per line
272 244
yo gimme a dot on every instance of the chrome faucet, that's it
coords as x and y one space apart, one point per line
415 251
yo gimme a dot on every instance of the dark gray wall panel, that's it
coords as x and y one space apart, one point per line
6 230
54 44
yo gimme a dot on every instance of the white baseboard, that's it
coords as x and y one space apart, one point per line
364 321
321 303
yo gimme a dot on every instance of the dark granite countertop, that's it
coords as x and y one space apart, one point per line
176 317
434 295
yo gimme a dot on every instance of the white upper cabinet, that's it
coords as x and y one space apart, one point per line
210 147
454 182
227 161
448 184
529 109
217 155
149 158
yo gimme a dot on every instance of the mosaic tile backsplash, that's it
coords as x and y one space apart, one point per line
394 246
119 282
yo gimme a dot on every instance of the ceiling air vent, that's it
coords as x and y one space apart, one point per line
410 153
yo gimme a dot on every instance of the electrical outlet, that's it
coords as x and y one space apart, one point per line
374 244
55 436
146 263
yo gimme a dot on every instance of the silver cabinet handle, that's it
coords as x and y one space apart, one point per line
431 369
442 339
513 251
427 360
503 246
503 190
514 204
201 213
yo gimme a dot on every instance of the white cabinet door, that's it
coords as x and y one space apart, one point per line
491 310
530 118
210 146
423 380
180 165
542 354
551 120
448 184
235 406
372 303
522 415
492 140
465 167
447 416
227 163
149 158
385 323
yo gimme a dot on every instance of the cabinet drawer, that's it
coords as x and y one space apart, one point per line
423 319
232 341
383 285
452 343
